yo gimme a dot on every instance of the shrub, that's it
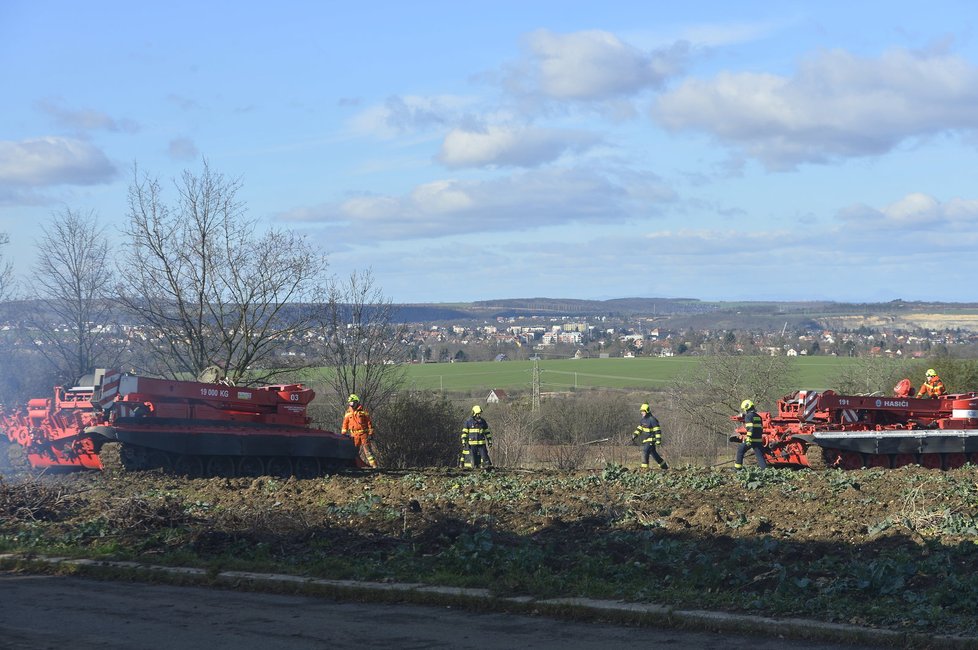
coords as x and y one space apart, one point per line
417 429
567 426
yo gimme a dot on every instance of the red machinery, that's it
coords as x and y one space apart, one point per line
817 429
49 429
191 428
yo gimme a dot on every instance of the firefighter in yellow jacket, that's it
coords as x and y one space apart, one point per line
649 433
932 386
358 425
476 440
754 438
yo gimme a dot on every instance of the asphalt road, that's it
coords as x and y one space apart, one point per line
57 612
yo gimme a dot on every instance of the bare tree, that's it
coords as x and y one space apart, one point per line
6 270
210 289
71 277
873 375
702 402
363 344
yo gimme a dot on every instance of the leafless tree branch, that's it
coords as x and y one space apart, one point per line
210 288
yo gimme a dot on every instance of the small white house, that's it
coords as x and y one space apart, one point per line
495 396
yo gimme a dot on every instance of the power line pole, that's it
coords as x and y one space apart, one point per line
536 384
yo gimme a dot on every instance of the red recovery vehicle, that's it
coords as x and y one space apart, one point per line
187 427
823 429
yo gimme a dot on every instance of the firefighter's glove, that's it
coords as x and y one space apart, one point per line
734 438
634 440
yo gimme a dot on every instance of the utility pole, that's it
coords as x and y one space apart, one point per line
536 384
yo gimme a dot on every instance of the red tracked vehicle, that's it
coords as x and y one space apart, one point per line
185 427
823 429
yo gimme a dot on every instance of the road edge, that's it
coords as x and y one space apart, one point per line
578 609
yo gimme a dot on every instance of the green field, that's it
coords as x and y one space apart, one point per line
567 374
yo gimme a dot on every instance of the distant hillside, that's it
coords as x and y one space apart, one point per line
614 307
674 313
430 313
681 313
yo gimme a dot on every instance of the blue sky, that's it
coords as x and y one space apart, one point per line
480 150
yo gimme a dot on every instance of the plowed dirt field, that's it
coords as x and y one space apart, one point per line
888 548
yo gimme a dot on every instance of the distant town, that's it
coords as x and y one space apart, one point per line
604 336
505 330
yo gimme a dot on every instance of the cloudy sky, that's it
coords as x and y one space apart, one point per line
475 150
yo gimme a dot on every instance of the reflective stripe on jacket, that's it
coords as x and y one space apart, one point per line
933 387
754 425
476 431
357 422
648 429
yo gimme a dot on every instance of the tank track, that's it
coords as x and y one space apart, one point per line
118 457
820 459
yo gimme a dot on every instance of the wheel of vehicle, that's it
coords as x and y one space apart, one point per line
851 460
189 466
833 457
954 461
278 466
251 466
220 466
877 460
306 467
157 459
902 460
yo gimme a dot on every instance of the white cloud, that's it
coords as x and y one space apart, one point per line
53 161
400 114
506 145
442 197
520 202
85 119
730 33
913 213
182 149
592 65
836 105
